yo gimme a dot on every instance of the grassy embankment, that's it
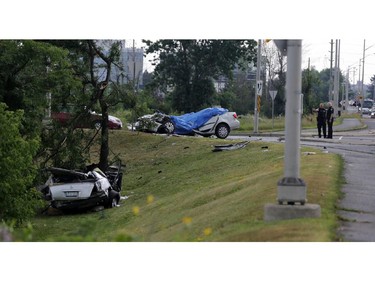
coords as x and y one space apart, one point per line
177 189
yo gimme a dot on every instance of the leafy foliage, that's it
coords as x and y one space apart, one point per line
18 200
28 71
187 67
93 63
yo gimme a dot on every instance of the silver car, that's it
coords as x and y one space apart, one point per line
207 122
69 190
219 125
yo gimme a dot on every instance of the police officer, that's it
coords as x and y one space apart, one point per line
330 119
321 120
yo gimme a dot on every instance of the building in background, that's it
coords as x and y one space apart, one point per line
131 60
130 67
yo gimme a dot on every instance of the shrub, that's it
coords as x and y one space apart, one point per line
18 200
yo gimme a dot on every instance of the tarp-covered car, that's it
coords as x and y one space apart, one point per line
68 190
206 122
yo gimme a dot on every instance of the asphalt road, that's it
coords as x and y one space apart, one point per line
357 208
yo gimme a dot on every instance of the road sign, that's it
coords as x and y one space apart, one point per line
273 94
259 87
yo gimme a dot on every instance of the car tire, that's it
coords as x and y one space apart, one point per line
113 199
222 131
97 125
167 127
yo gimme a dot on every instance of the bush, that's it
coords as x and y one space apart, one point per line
18 200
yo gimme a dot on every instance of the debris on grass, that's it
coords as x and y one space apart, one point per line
230 146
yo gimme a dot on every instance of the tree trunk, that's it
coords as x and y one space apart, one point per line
104 147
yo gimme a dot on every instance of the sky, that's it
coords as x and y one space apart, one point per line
351 55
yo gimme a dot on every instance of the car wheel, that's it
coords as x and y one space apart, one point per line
113 199
222 130
167 127
97 125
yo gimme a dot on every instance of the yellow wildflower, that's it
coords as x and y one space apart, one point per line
136 210
187 220
150 199
207 231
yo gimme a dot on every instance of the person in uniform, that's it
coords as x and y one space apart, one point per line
321 120
330 119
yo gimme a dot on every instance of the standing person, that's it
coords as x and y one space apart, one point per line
321 120
330 119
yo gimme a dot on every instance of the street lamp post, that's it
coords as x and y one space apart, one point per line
296 191
291 188
363 75
336 82
362 96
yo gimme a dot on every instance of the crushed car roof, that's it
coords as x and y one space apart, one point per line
65 172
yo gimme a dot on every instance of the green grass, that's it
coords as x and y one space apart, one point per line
277 124
179 190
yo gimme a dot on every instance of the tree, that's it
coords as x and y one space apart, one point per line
188 67
371 88
93 62
243 91
275 64
107 57
18 200
28 71
310 88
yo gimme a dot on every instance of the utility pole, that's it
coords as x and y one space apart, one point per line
347 91
338 75
257 97
331 74
134 65
363 76
291 188
336 83
359 81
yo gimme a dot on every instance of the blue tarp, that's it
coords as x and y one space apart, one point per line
185 124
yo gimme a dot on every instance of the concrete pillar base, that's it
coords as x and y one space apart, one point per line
291 190
274 212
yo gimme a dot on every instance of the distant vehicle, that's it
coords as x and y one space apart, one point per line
89 120
69 190
207 122
372 114
367 106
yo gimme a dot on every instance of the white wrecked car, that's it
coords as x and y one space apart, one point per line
74 190
207 122
155 123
